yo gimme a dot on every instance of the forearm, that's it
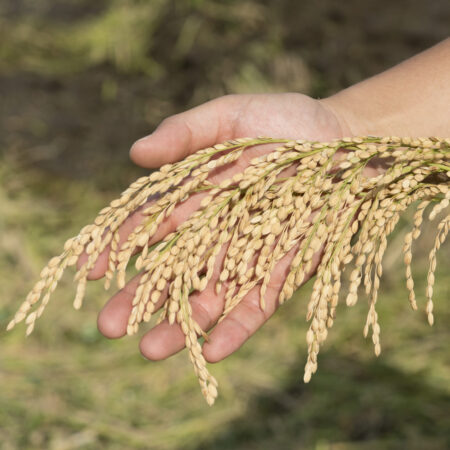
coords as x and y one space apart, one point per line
411 99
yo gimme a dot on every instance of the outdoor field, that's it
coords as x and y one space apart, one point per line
80 81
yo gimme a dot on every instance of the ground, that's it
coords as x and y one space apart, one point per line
79 82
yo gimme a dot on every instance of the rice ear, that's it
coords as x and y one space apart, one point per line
327 205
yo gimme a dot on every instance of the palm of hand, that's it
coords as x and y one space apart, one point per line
280 115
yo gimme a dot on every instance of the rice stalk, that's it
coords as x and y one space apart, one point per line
307 198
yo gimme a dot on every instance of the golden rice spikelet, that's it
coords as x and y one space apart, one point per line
313 201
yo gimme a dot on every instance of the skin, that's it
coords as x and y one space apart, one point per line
412 98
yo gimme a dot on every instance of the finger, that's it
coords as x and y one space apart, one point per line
247 317
113 318
101 264
110 319
180 213
182 134
165 340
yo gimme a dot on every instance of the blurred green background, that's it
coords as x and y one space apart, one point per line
79 82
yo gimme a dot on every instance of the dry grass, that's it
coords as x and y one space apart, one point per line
68 387
339 199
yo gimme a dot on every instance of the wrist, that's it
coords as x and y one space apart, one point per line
341 114
363 113
352 126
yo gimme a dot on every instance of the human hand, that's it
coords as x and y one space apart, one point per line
278 115
409 99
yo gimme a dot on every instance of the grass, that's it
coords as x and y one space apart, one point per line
67 387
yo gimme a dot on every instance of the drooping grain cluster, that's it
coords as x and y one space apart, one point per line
302 198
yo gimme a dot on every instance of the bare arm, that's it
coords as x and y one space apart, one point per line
411 99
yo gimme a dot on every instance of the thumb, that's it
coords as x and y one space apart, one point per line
184 133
